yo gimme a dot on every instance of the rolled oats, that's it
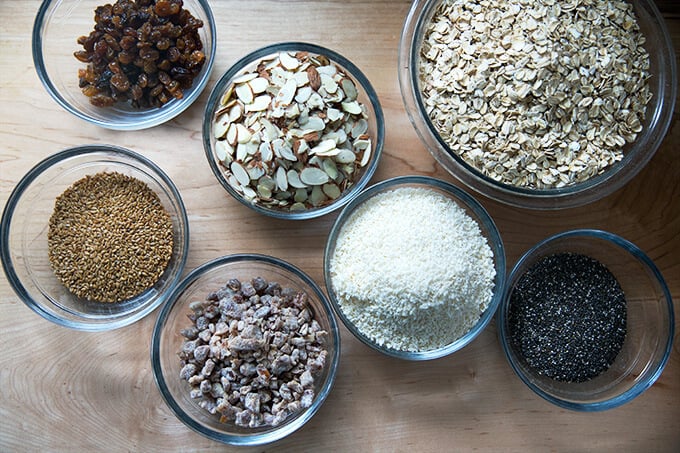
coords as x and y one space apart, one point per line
535 93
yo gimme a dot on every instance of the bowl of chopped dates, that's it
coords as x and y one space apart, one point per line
541 105
586 321
124 65
246 350
94 237
293 130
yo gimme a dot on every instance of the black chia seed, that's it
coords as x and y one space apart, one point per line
567 317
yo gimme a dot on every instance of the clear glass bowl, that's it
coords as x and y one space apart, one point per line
23 238
366 95
57 26
663 85
650 323
167 341
473 209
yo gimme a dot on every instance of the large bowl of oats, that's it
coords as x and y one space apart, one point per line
94 237
293 130
246 350
546 104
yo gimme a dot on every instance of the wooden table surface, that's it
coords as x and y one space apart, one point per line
63 390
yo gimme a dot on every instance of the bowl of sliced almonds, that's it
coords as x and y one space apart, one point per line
293 130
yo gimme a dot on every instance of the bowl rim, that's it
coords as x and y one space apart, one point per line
222 84
152 117
286 428
28 179
573 195
635 390
468 203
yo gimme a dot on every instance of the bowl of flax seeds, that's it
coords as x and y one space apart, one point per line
94 237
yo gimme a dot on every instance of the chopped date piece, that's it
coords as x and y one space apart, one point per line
253 352
135 42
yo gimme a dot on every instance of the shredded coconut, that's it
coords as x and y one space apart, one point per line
412 270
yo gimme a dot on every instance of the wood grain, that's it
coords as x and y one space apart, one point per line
62 390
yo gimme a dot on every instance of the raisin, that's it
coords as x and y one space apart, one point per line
155 91
164 78
120 82
148 53
163 44
163 97
128 42
142 80
136 92
81 55
126 57
131 42
101 100
100 48
90 90
150 67
166 7
165 65
114 67
174 54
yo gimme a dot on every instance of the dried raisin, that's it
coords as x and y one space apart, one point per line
132 44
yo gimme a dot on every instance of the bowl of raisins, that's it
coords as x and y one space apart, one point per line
124 65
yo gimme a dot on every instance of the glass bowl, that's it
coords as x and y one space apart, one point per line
649 323
663 88
167 342
58 25
363 165
23 241
375 247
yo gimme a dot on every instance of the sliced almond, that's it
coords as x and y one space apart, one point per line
243 135
314 123
259 104
221 126
243 78
240 173
259 85
286 94
313 176
288 61
323 146
352 107
244 93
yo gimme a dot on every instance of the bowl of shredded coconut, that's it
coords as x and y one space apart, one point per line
414 267
543 104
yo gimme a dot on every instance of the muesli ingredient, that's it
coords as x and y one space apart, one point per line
291 133
412 270
567 317
109 237
538 94
147 52
253 352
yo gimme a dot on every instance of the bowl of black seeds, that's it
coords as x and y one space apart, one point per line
94 237
586 320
